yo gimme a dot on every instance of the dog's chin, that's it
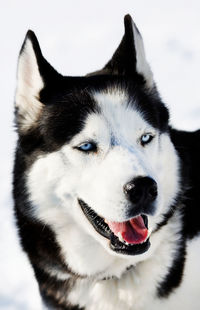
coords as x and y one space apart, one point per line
133 244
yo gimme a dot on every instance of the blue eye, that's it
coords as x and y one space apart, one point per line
87 147
146 138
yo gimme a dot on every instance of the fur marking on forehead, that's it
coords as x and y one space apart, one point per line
114 97
116 109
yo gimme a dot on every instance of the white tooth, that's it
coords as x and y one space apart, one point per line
119 235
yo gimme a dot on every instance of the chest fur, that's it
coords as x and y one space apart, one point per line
137 288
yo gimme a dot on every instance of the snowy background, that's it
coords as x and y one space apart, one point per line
77 37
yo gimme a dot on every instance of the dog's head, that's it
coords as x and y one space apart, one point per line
101 169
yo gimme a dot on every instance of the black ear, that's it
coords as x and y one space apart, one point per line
33 74
129 58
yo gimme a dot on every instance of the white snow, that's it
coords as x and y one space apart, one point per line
77 37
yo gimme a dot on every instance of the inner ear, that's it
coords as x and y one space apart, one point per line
33 73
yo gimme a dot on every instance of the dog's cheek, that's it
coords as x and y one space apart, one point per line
48 188
165 169
168 167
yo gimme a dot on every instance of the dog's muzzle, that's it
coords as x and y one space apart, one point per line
130 237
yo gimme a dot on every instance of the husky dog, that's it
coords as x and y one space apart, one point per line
107 194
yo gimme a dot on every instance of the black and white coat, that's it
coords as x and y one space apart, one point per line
75 266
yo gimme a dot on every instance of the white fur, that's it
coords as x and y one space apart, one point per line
29 85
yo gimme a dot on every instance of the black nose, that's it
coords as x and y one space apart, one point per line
141 190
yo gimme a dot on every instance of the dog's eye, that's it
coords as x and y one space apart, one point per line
87 147
146 138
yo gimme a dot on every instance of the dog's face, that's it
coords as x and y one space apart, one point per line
101 169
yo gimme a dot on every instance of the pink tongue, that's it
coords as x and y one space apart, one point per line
133 231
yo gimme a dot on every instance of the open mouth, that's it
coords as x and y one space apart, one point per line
129 237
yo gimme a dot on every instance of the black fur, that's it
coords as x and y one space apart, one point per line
67 104
175 273
187 145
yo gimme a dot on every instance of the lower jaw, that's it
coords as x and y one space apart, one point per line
115 244
132 249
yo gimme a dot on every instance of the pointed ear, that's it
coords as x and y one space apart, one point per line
129 58
33 73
